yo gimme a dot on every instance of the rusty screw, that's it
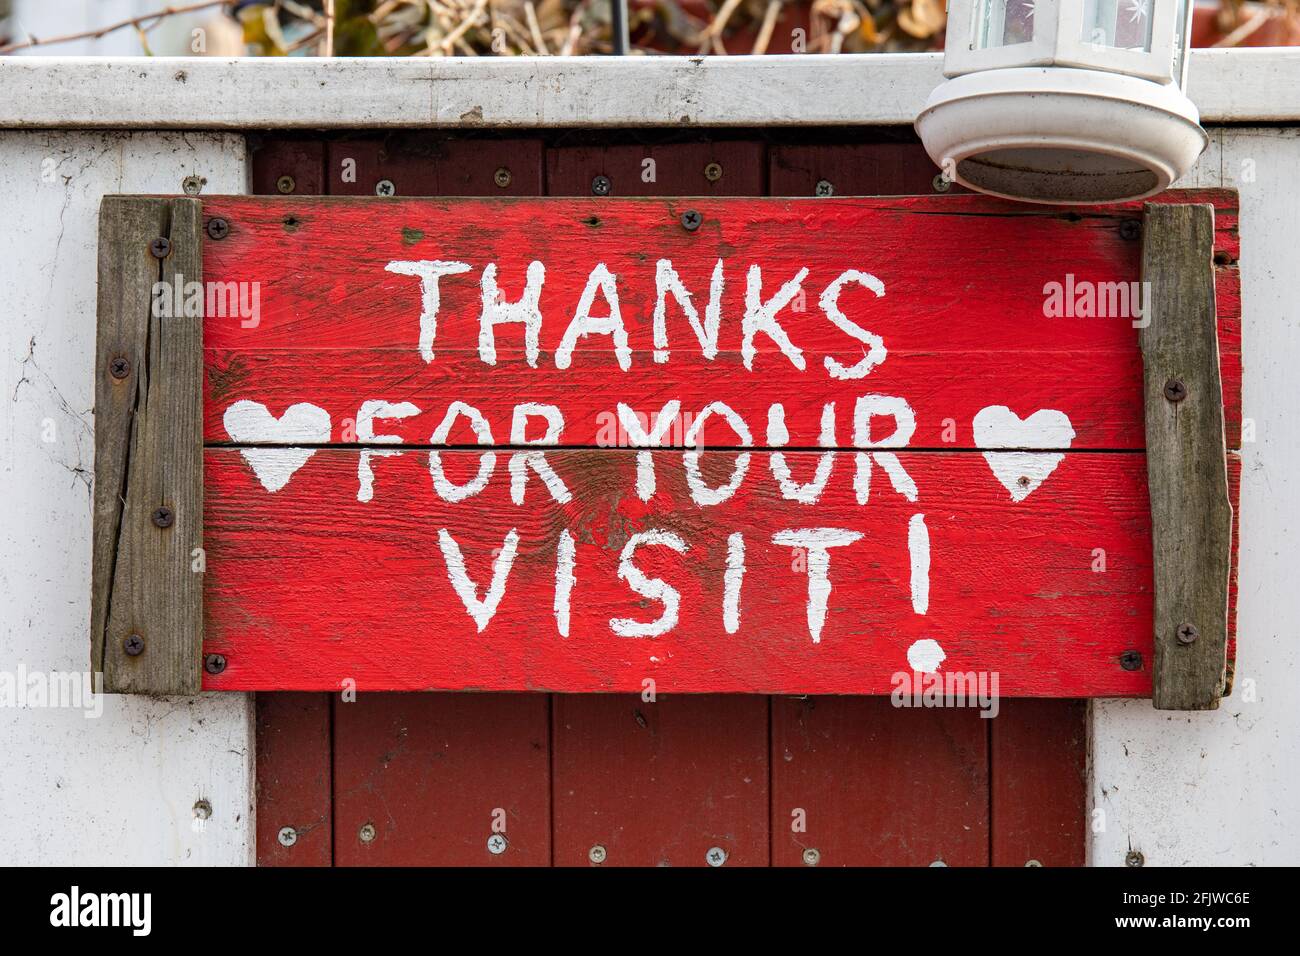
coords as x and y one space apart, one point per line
1130 229
214 663
119 367
163 517
1131 661
1188 633
502 177
133 645
713 172
600 186
286 184
160 247
218 228
1134 858
824 188
1175 390
691 220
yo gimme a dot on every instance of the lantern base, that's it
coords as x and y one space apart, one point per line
1060 135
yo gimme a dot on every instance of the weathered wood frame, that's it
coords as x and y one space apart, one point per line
147 599
1187 478
147 592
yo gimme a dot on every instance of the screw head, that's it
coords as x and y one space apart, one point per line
691 220
133 644
214 663
193 185
1130 229
287 836
286 184
502 177
1188 633
1032 863
119 367
713 172
938 863
367 833
824 188
218 228
941 183
1175 390
385 187
496 844
600 186
202 810
716 856
812 856
1134 858
597 854
160 247
1131 661
163 517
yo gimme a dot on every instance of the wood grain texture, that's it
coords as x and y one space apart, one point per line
1188 484
878 785
418 164
961 319
855 169
294 786
661 783
148 452
435 773
309 585
1037 772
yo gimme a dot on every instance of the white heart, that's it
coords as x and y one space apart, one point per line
1021 472
252 423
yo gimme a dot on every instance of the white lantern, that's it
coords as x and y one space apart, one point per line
1064 101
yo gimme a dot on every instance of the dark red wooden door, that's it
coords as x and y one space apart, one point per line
613 780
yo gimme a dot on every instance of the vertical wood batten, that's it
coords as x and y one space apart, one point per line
147 603
295 741
1191 517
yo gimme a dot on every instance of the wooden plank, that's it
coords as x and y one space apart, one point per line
855 169
661 783
668 781
1037 771
872 784
1190 512
294 796
424 164
288 166
1008 581
147 598
438 776
716 168
304 345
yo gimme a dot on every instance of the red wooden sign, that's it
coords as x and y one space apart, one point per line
779 446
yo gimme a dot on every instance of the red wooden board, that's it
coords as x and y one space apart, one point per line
661 783
864 783
437 777
308 586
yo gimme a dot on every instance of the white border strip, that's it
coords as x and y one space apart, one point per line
1261 85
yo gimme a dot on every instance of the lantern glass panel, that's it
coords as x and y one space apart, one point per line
1123 24
1003 23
